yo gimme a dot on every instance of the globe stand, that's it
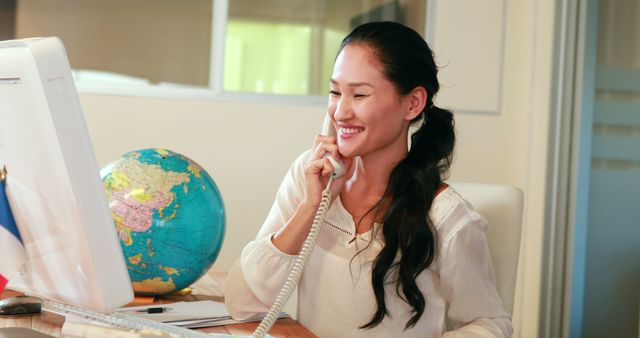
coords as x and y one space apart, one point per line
182 292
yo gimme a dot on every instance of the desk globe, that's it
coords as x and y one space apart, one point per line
169 216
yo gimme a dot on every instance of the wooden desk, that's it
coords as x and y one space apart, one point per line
209 287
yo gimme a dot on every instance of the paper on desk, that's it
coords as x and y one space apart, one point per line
180 311
81 327
197 314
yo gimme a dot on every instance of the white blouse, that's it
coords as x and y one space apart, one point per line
335 295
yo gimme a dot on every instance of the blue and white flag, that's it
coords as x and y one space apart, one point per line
12 254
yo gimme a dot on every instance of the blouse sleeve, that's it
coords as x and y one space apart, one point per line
256 278
468 283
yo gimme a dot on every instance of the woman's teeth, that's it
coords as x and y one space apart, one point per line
350 130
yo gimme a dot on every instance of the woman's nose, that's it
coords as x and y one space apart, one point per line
344 110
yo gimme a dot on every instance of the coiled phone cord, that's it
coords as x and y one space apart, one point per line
298 265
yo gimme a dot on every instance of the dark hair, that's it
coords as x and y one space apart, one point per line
407 61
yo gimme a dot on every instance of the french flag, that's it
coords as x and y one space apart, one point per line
12 253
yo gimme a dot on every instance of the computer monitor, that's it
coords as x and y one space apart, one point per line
53 184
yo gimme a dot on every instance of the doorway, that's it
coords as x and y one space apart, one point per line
605 262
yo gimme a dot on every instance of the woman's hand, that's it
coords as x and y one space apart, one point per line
289 238
318 168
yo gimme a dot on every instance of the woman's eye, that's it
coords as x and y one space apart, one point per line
360 95
334 93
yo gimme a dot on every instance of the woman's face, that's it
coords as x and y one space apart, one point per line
368 113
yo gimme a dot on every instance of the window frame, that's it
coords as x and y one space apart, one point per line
215 91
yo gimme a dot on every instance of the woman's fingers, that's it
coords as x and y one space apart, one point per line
320 166
327 167
325 139
325 144
323 149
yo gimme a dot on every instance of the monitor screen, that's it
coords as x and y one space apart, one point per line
53 183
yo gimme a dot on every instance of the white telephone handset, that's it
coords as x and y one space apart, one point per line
329 130
307 246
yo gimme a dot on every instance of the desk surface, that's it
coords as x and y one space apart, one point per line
210 286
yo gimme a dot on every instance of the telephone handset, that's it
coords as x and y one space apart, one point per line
329 130
298 266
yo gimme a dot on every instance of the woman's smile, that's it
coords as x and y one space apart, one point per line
346 132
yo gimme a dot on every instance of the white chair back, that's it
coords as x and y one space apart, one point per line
502 207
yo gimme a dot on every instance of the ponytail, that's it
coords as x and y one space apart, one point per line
406 227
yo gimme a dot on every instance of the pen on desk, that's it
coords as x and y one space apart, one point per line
151 310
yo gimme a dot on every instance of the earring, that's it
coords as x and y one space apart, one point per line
413 128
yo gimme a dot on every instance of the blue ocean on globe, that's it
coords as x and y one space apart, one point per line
169 216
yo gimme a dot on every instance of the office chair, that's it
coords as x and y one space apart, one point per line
502 207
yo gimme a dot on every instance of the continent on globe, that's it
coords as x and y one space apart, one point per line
140 189
169 216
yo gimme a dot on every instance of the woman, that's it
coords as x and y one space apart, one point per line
400 252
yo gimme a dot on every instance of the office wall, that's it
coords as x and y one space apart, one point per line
157 40
504 139
247 147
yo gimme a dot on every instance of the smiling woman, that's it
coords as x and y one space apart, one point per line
400 252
